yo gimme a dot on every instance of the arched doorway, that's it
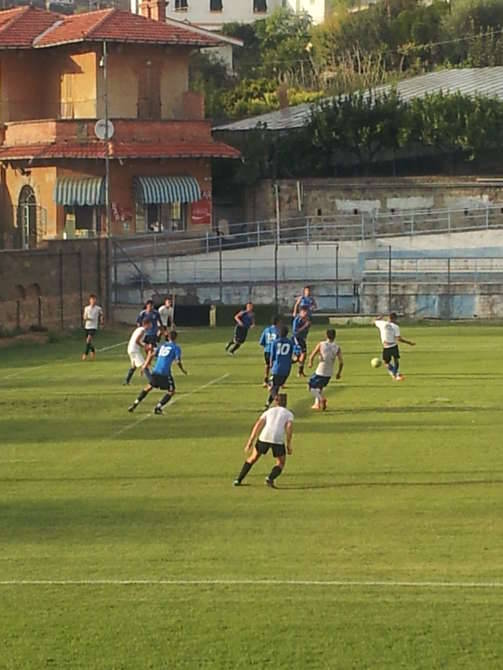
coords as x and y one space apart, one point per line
27 218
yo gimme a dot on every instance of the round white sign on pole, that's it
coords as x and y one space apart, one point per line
104 130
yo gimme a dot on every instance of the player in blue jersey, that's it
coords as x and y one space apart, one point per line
151 334
166 354
269 335
300 327
281 363
307 301
245 319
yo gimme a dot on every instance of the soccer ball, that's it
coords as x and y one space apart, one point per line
376 362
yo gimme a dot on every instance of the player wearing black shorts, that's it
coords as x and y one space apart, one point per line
269 335
281 363
245 319
271 429
390 337
166 354
300 327
93 319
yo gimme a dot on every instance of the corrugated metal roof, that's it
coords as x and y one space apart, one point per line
470 81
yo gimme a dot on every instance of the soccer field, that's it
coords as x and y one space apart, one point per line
123 544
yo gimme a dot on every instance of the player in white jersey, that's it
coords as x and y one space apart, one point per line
93 319
390 337
271 429
167 314
328 351
135 349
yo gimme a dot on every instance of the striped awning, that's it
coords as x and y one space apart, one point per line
159 190
71 191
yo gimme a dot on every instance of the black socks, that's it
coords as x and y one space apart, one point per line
275 472
244 471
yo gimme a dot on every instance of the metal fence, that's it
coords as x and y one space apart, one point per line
338 227
443 287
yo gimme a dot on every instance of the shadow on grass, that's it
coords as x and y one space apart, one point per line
342 485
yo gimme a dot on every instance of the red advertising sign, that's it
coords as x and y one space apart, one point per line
201 212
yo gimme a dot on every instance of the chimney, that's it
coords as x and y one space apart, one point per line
153 9
283 96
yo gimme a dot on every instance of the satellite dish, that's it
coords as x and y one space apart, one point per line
104 130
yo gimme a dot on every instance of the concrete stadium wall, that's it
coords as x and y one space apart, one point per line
249 273
433 300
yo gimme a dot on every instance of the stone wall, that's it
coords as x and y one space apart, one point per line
48 287
331 197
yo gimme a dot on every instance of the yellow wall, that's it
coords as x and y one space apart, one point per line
68 82
127 68
47 84
76 75
42 180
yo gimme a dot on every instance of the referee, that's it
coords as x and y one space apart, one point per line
271 428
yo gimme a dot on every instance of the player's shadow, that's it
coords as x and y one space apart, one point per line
345 485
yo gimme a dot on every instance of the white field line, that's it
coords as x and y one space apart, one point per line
176 399
339 583
30 368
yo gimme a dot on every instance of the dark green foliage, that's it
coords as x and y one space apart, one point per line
364 129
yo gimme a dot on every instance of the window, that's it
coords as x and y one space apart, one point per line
149 92
216 5
259 6
181 5
169 217
82 221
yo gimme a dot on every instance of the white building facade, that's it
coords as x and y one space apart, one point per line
213 14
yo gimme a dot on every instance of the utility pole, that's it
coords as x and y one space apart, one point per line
107 140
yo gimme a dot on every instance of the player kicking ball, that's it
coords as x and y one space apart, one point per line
390 337
328 352
271 429
166 354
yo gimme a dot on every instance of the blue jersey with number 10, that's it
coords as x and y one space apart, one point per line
282 352
166 354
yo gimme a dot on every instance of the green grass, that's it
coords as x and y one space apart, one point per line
395 483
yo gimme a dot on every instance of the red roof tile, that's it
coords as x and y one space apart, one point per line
27 27
116 25
96 150
20 26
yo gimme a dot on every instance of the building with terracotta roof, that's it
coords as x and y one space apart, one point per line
99 132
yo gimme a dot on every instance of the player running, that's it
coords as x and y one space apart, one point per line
245 319
305 300
135 349
167 316
390 336
152 332
269 335
93 319
281 363
271 429
167 354
327 351
300 327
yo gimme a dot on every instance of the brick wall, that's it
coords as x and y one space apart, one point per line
47 287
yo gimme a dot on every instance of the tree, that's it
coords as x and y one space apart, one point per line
360 125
